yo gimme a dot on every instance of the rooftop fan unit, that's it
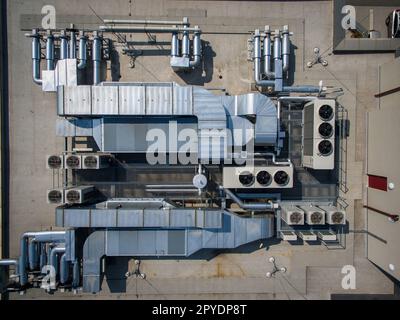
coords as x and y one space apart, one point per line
95 161
314 215
318 148
73 161
334 215
80 194
292 215
55 161
55 196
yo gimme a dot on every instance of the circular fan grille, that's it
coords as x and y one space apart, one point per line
55 196
73 162
90 162
246 178
263 178
316 217
325 129
281 177
325 147
73 196
337 217
326 112
295 217
54 162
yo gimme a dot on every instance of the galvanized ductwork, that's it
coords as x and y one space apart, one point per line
181 60
96 57
36 56
82 50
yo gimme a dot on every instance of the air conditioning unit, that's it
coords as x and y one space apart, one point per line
288 235
327 235
73 161
307 235
334 215
319 134
55 161
80 194
95 161
55 196
292 215
313 215
258 177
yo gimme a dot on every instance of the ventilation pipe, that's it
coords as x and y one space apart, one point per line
63 45
72 45
96 56
257 62
184 22
285 48
53 257
43 236
64 269
267 54
196 49
75 274
182 61
82 50
50 51
36 52
10 262
43 255
33 255
253 206
185 44
175 45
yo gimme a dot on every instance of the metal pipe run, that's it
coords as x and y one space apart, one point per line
185 44
72 45
76 270
64 269
273 156
11 262
82 50
50 51
174 45
277 46
196 50
253 206
33 256
63 45
257 62
267 54
53 257
285 48
96 56
133 29
184 22
36 57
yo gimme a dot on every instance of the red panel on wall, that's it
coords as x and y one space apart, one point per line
377 182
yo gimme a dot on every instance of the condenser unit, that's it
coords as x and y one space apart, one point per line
327 235
307 235
80 194
318 151
73 161
334 215
95 161
258 177
292 215
313 215
55 161
55 196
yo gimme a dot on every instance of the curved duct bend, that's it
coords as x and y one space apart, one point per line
251 205
182 61
10 262
36 56
267 54
196 50
53 257
257 62
82 50
42 236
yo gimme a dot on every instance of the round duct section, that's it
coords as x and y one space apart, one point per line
325 147
246 178
325 130
264 178
281 178
325 112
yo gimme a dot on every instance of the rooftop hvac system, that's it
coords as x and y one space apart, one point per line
319 134
73 161
80 194
334 215
55 161
258 177
95 161
288 235
307 236
55 196
292 215
313 215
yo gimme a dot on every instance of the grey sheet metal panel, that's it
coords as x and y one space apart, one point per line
75 218
49 81
182 100
70 245
65 128
159 100
104 100
182 218
132 100
153 217
209 109
130 218
103 218
77 100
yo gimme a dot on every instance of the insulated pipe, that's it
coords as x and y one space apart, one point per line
72 45
10 262
64 269
196 50
53 257
277 46
132 29
43 256
50 51
75 274
273 156
267 54
185 44
183 22
248 206
33 255
96 56
302 89
82 50
174 45
42 236
36 57
257 62
285 48
63 45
